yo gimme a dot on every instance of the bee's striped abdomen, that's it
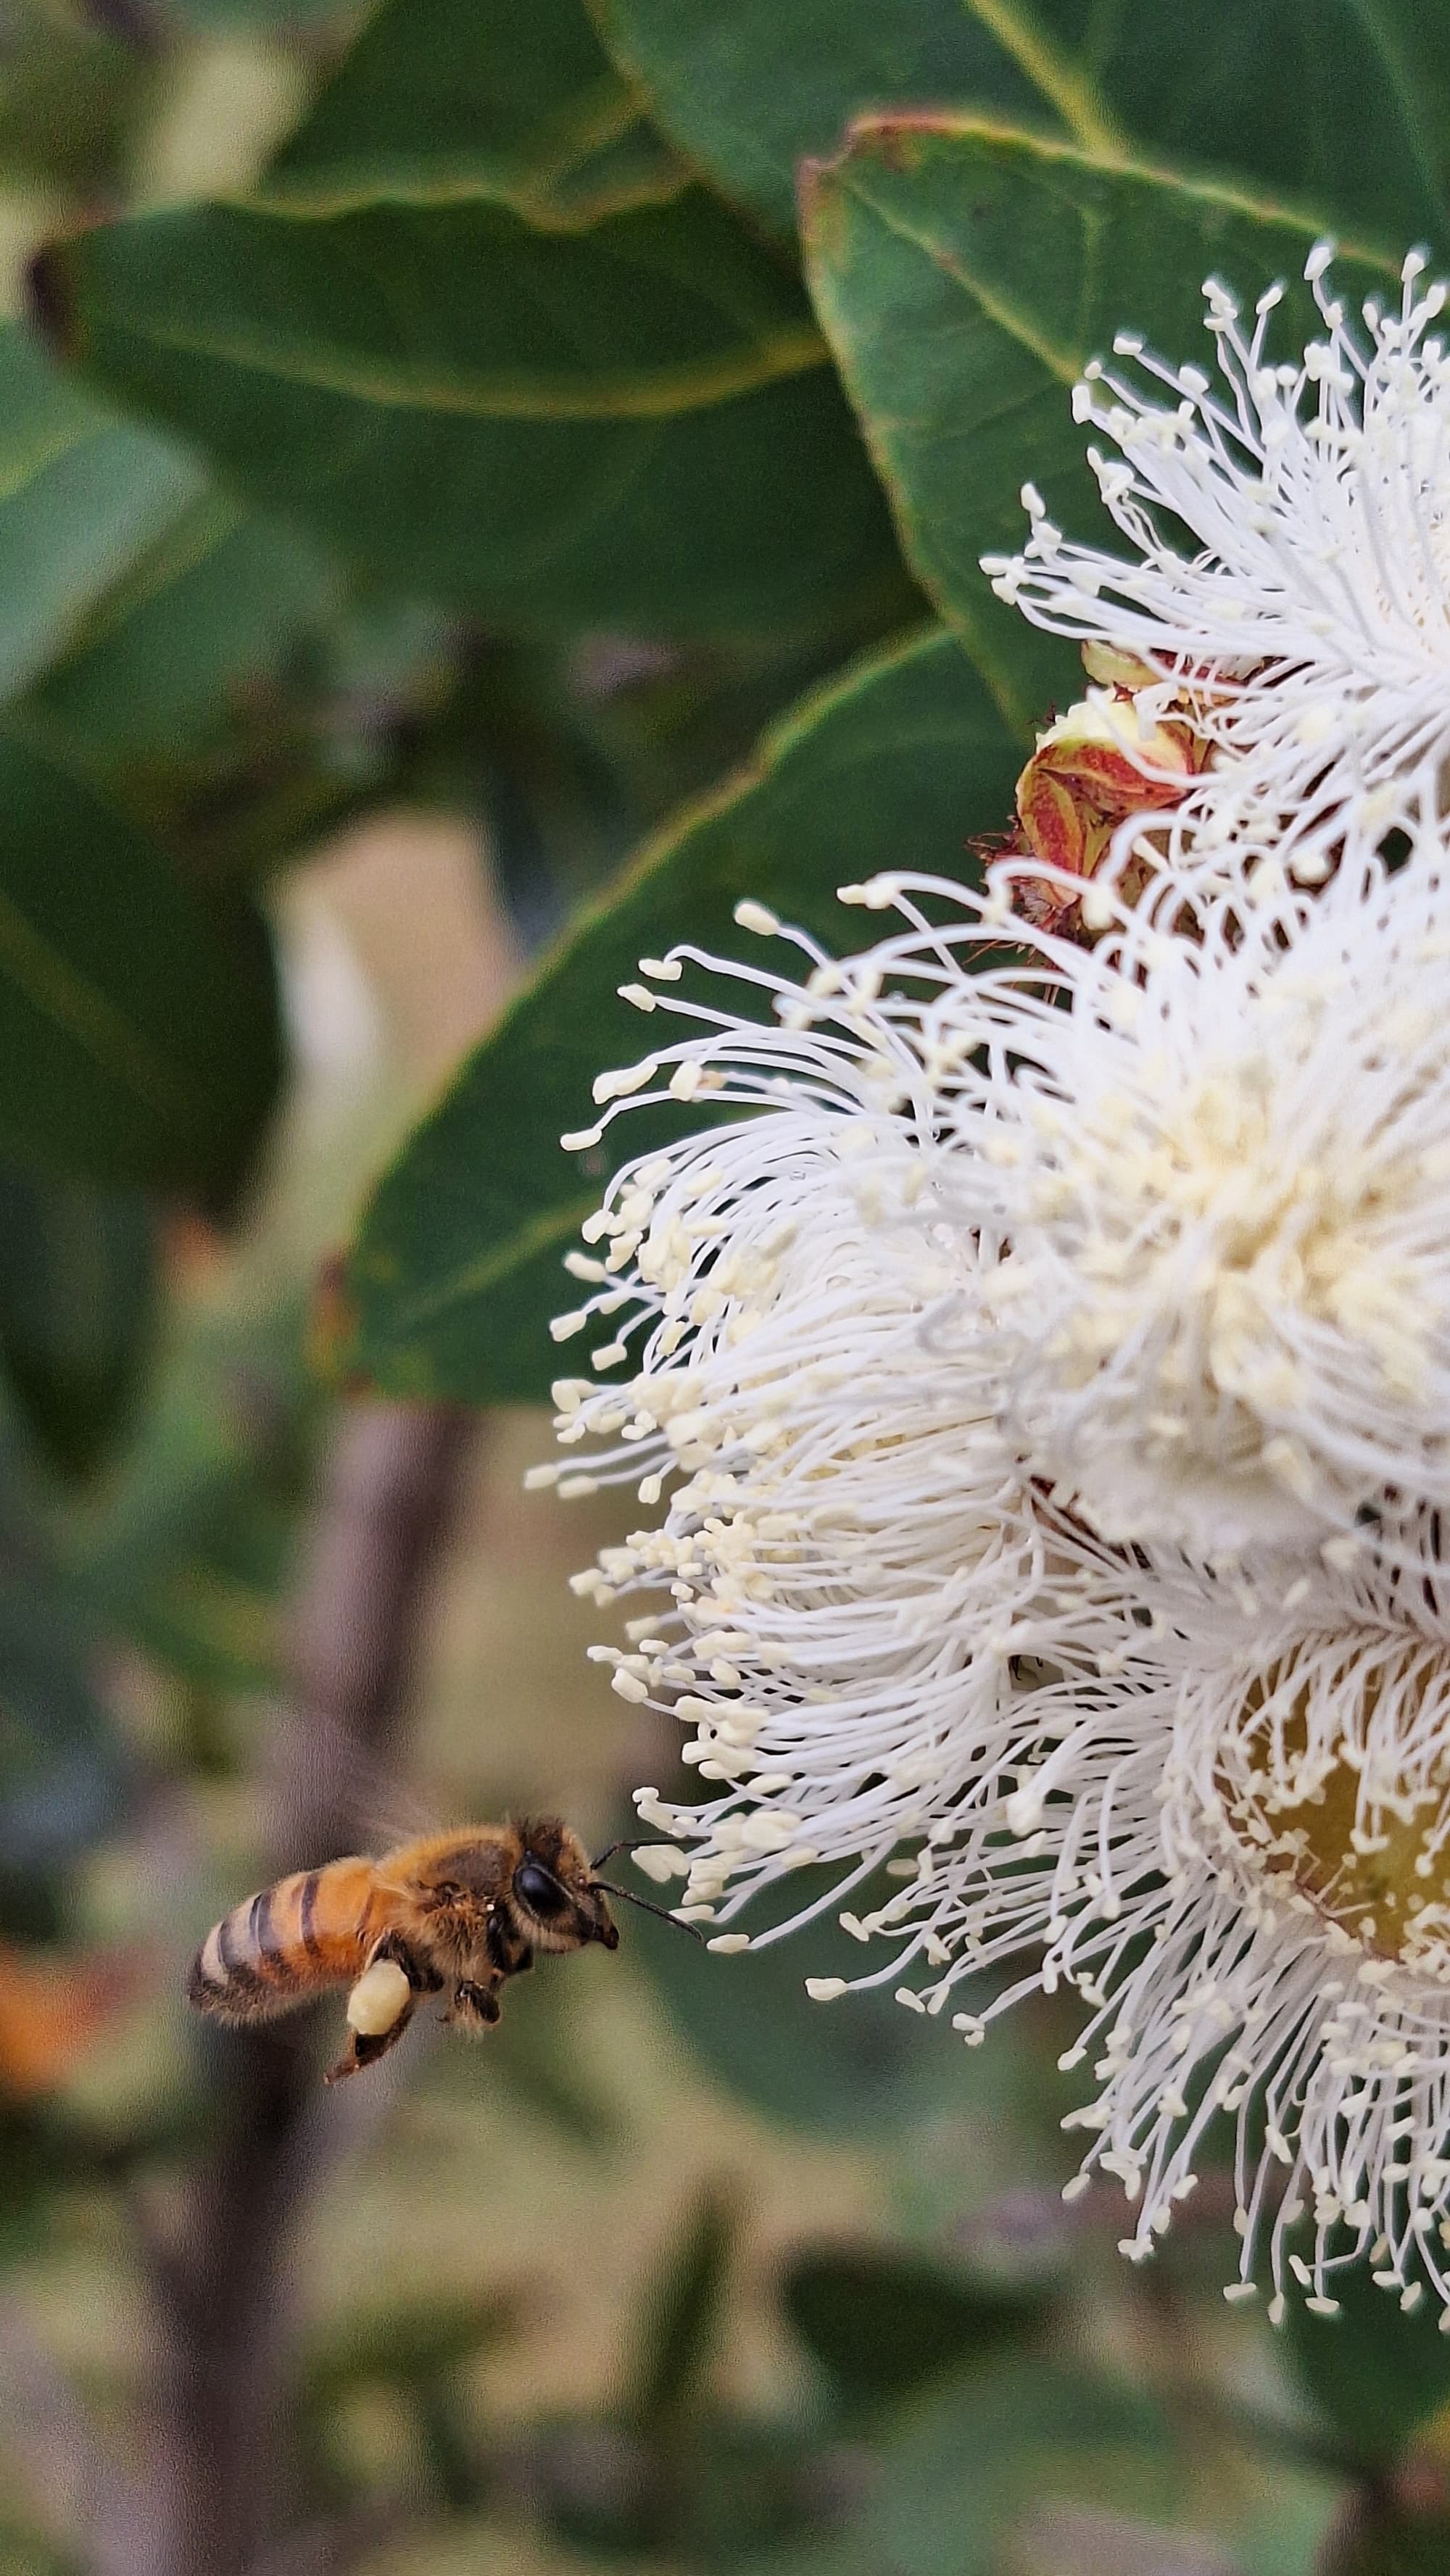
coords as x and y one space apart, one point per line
311 1930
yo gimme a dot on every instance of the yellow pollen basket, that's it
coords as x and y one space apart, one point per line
1372 1859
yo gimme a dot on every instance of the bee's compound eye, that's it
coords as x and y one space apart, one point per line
538 1889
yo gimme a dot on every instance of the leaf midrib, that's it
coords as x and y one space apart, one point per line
1061 363
664 393
349 182
553 1225
1063 88
847 168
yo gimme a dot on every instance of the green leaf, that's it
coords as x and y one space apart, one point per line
749 88
573 752
1376 2373
306 18
1346 119
204 618
886 2323
443 98
951 2484
82 495
457 1265
139 1037
237 703
60 1766
636 425
965 276
77 1310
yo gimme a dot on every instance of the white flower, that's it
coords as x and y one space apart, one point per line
1304 1816
1304 629
1223 1169
1240 1863
895 1606
857 1570
1037 1362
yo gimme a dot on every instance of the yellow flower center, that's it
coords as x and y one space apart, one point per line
1357 1813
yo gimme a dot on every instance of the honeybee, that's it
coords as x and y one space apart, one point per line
461 1911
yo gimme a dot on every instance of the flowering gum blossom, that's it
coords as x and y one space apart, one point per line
1044 1362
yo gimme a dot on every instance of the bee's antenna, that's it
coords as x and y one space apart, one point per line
645 1907
627 1843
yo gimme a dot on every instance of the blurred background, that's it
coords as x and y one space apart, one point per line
674 2272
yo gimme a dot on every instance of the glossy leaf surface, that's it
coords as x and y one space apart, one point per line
83 494
1345 122
442 99
138 1023
636 425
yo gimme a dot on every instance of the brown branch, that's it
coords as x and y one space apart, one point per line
213 2465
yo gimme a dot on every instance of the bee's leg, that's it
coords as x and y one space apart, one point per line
423 1978
508 1948
381 2004
474 2008
364 2048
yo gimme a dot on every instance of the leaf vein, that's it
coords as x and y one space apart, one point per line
664 394
550 1226
61 994
1063 87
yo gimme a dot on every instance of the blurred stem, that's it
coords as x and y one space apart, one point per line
681 2326
681 2334
213 2462
452 2453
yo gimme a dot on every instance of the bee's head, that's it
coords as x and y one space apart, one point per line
554 1892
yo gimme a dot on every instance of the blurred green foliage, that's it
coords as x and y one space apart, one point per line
534 435
438 99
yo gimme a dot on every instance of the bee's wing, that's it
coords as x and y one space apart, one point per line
324 1770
